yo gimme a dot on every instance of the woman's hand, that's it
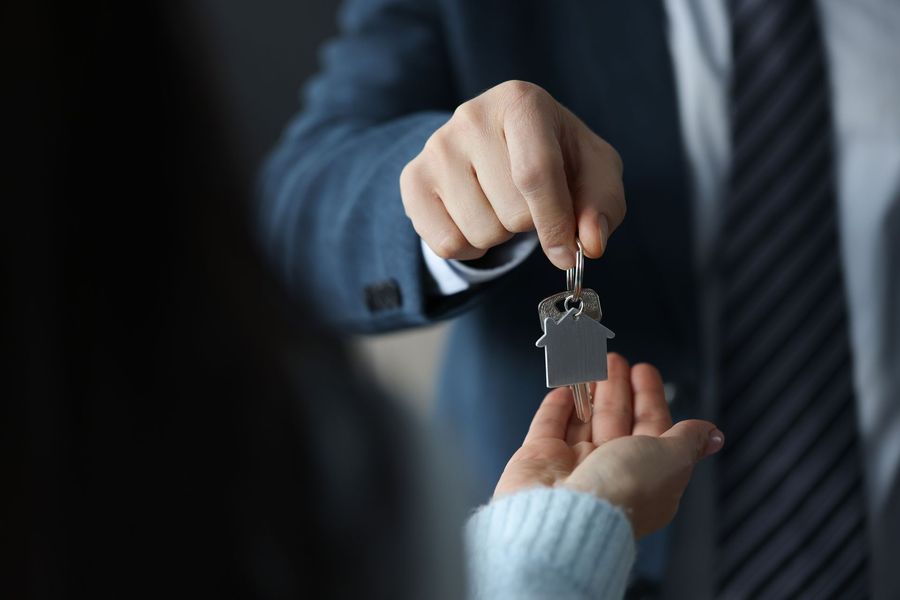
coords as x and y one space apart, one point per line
629 454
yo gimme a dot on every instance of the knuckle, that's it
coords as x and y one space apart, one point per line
467 116
614 156
518 221
489 236
438 145
411 180
528 177
450 244
516 87
523 92
531 176
409 176
527 102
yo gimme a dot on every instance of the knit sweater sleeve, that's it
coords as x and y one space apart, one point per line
549 543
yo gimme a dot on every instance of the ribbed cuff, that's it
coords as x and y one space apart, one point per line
549 542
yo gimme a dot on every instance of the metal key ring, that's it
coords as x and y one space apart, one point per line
573 299
575 275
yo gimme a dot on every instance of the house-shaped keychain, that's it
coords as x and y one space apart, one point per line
574 349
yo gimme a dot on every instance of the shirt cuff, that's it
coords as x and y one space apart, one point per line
549 542
454 276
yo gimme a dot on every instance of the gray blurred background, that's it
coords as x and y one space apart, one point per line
264 51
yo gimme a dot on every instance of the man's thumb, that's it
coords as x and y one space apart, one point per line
695 439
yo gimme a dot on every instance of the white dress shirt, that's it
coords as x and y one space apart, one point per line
862 40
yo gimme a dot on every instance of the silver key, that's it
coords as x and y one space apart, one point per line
574 341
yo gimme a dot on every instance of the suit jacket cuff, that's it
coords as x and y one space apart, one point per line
454 276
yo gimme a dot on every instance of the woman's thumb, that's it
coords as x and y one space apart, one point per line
695 439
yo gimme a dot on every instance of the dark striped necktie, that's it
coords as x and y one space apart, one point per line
792 511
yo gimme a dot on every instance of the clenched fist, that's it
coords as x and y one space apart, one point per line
511 160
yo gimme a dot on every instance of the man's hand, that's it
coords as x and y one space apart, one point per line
512 160
629 454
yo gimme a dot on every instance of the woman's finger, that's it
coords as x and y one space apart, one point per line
651 412
582 450
691 440
552 417
578 431
612 402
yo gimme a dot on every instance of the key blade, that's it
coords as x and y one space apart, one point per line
584 408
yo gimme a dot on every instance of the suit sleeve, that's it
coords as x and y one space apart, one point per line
330 212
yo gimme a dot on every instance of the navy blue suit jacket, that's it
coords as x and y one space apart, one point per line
333 220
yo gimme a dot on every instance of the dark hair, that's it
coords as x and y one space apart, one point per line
174 424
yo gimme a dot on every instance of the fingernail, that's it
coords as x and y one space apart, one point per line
561 257
604 233
715 443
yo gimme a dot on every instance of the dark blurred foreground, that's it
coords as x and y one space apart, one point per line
171 424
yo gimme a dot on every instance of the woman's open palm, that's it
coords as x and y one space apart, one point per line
629 453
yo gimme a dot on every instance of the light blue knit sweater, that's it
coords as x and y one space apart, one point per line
549 543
